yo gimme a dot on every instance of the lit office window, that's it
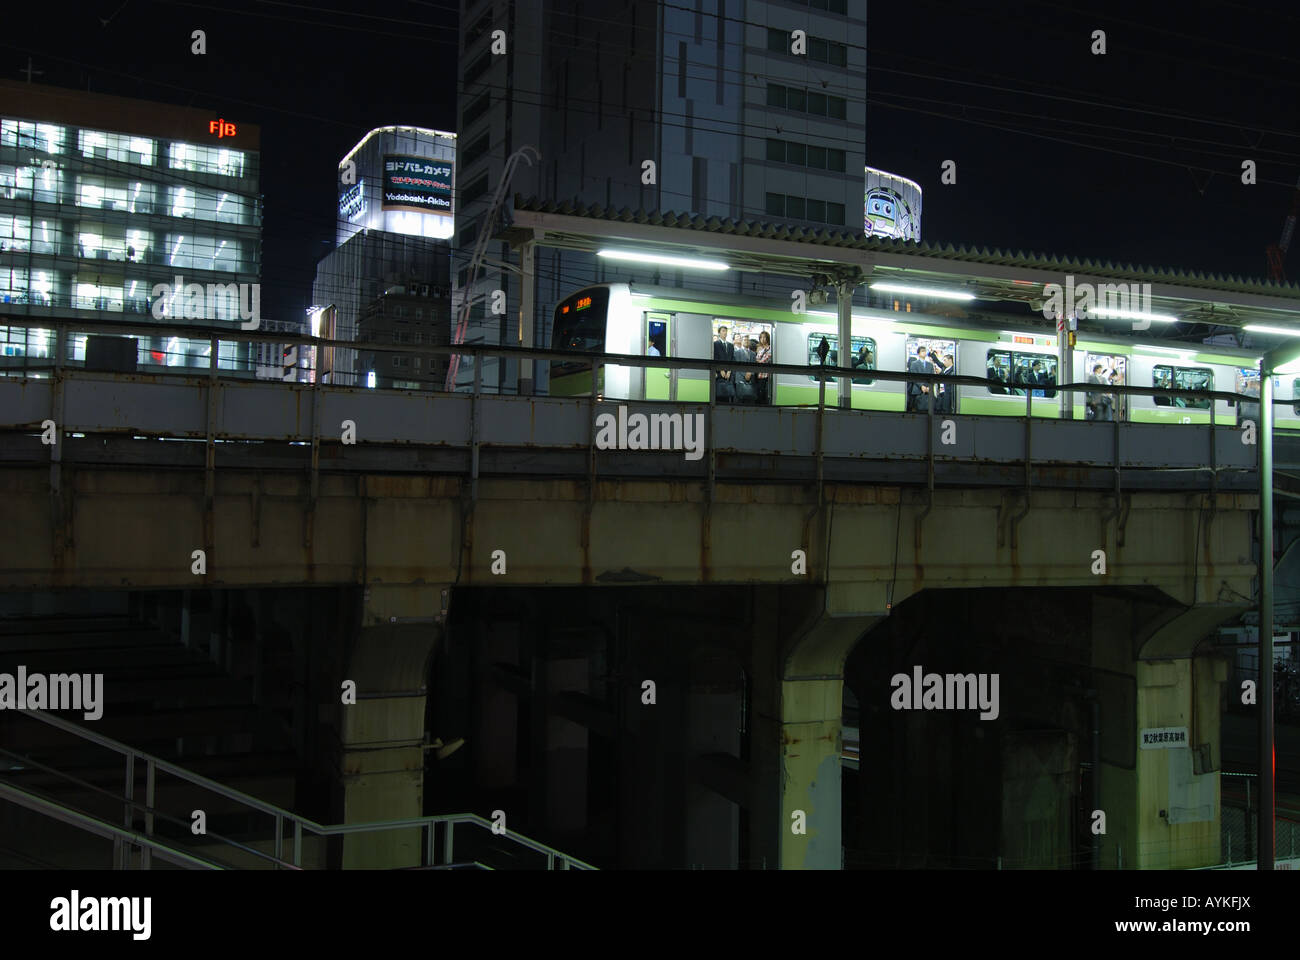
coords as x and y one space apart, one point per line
15 182
118 147
16 233
106 193
219 160
18 285
44 137
191 252
97 294
203 203
97 241
136 295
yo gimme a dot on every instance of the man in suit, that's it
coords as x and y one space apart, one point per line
1039 378
947 399
918 392
743 383
724 350
1108 399
1092 399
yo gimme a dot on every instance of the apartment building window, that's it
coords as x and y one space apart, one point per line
479 28
820 158
474 190
478 67
476 109
804 208
476 149
819 50
830 6
817 104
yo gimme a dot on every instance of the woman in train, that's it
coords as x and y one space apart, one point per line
764 356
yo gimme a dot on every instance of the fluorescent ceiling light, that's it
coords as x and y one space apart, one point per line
689 263
1280 331
933 292
1107 314
856 316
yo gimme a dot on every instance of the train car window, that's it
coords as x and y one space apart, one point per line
1295 394
864 355
1247 379
580 321
997 366
1020 372
1182 378
657 338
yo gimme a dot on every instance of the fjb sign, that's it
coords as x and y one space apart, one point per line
222 128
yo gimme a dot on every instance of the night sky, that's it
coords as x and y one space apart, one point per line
1134 156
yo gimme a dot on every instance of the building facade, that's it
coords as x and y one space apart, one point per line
395 221
738 119
112 209
416 316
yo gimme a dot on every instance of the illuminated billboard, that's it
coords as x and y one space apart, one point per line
417 183
892 206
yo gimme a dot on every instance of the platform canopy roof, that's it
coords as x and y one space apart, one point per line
988 274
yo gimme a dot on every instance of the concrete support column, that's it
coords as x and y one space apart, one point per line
713 730
1162 802
566 750
497 712
798 708
382 735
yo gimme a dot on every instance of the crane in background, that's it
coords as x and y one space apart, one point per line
1277 252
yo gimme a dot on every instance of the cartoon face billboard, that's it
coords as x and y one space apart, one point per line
892 207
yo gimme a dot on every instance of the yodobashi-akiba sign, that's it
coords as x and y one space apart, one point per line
417 183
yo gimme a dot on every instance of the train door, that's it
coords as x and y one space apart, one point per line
659 381
1105 369
941 356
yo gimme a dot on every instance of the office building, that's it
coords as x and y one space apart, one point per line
395 210
737 124
114 208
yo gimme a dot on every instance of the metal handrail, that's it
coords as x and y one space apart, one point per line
119 835
281 815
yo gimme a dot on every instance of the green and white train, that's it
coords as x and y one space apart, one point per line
633 319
